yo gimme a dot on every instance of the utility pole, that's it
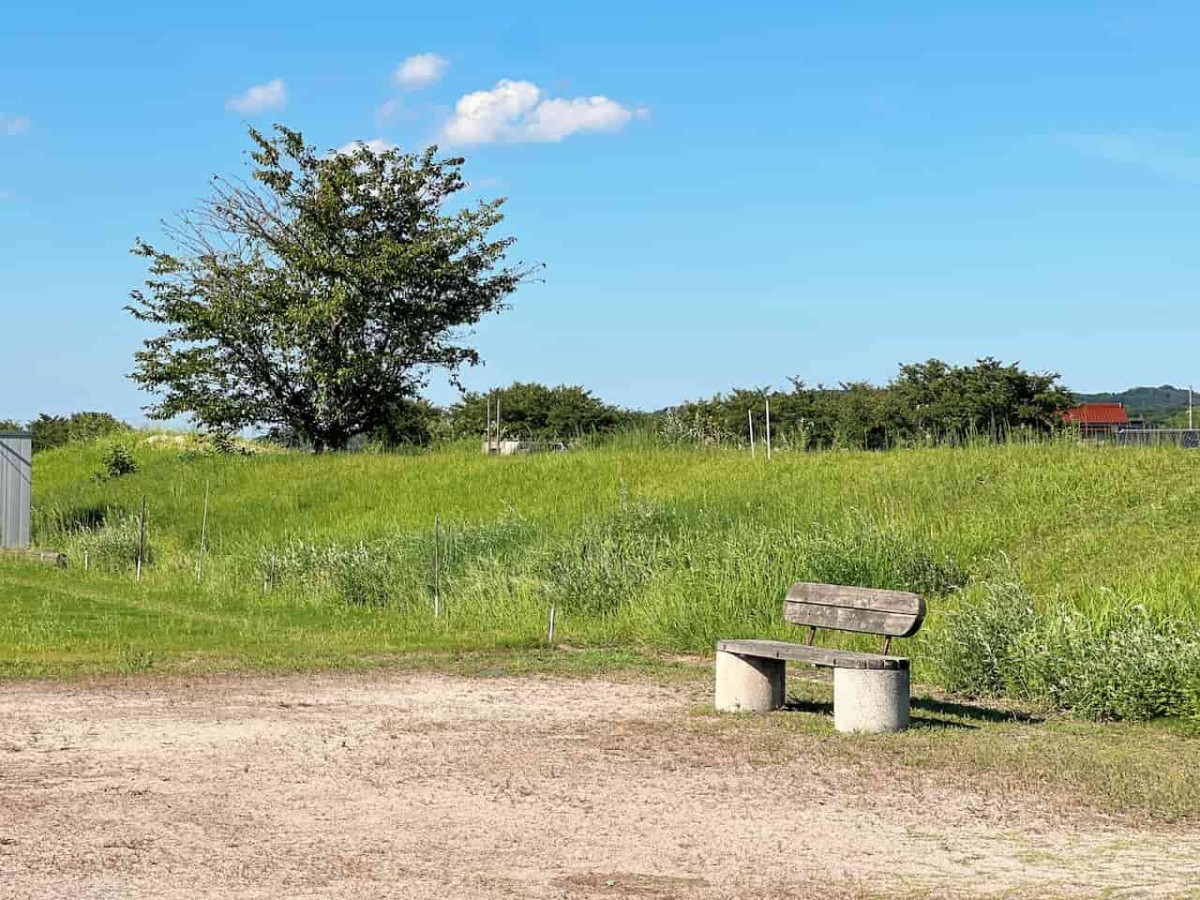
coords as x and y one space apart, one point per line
1190 426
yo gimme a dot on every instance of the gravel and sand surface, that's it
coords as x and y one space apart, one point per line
438 786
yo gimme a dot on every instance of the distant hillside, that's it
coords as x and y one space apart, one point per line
1156 405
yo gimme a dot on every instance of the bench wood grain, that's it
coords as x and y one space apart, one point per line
862 610
816 656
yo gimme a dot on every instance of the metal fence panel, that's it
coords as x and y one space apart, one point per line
16 480
1188 438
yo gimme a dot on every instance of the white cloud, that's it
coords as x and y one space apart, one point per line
259 99
375 145
420 71
11 126
389 110
520 112
485 116
553 120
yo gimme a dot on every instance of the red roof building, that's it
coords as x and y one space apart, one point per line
1096 419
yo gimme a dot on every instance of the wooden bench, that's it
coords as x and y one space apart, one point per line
870 690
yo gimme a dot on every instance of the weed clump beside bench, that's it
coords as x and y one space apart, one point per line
870 690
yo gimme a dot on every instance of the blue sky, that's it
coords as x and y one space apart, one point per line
818 190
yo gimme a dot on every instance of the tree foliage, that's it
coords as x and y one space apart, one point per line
929 402
320 293
56 431
987 398
537 411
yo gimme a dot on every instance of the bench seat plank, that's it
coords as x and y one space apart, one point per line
817 656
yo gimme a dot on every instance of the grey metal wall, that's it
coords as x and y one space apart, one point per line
16 479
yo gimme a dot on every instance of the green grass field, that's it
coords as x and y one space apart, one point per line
1065 576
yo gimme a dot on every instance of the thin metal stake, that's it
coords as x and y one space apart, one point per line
141 554
750 417
437 567
550 633
203 537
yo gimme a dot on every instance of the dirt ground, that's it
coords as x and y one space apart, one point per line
433 786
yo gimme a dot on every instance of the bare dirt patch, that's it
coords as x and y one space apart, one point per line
437 786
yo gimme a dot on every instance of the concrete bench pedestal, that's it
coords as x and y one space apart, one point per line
870 700
749 683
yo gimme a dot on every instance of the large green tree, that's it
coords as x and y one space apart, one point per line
319 293
988 398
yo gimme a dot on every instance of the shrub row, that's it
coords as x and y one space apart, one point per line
1128 663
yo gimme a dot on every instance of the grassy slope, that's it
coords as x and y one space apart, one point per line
637 547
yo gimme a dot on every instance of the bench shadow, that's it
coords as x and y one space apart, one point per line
931 722
802 704
974 711
825 708
927 713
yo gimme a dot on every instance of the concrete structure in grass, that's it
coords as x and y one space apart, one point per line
870 690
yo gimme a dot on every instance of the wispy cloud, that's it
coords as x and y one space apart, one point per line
388 110
259 99
1163 153
420 71
520 112
11 126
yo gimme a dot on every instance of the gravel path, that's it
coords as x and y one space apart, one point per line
430 786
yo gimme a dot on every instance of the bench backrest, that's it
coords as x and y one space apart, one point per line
865 610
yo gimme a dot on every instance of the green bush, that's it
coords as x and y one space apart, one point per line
50 432
973 652
54 524
358 574
1129 665
363 577
117 461
1125 664
111 546
611 563
537 411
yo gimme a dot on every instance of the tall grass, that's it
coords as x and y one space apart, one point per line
1056 573
1129 662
